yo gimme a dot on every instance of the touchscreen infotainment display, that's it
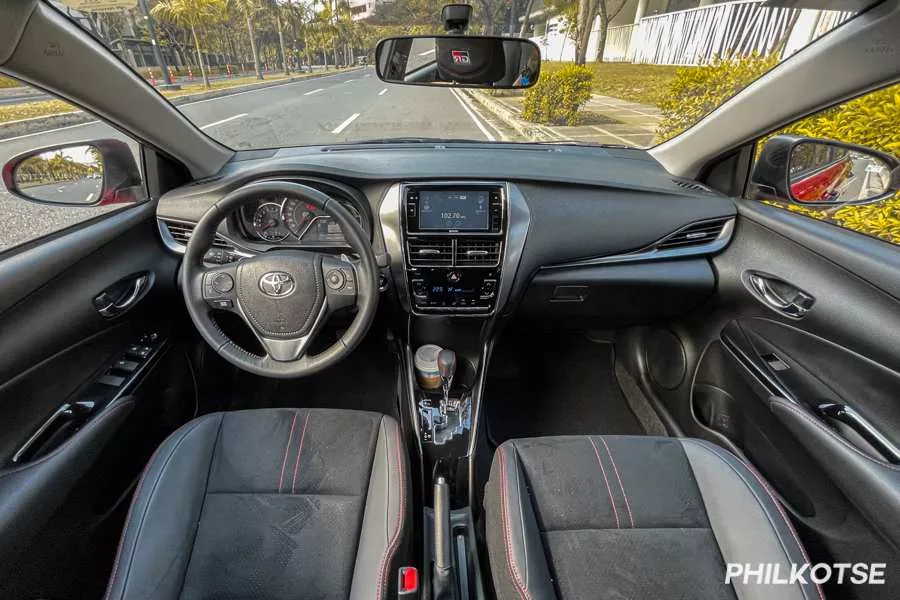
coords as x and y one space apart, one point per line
446 210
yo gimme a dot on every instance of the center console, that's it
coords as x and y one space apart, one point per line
454 249
454 238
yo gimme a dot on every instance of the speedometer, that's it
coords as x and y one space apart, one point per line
268 224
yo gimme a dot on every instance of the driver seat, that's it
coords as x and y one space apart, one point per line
274 503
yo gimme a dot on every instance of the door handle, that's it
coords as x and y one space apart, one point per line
121 296
779 295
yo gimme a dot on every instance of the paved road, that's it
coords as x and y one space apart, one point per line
337 108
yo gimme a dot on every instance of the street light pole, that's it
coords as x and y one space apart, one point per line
157 53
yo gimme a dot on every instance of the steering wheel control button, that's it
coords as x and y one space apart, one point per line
222 283
222 304
335 279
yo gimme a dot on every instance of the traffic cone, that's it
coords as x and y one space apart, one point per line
171 73
228 69
152 78
190 74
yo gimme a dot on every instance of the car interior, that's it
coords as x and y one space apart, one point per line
447 370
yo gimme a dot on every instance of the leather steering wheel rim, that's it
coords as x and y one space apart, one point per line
194 275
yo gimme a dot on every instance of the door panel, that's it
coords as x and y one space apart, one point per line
57 346
812 398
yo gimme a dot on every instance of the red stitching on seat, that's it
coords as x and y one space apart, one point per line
510 562
624 495
401 508
300 451
608 489
287 447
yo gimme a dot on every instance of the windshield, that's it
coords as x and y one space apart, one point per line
272 73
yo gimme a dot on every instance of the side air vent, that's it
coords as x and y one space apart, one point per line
181 233
424 252
478 253
692 186
694 234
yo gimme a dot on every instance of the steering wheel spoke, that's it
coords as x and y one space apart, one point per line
341 282
220 287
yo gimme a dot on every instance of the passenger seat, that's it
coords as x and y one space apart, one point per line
633 517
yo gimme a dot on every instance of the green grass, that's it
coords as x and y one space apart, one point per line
646 84
8 82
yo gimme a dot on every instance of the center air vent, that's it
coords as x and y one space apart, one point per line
424 252
694 234
478 252
181 233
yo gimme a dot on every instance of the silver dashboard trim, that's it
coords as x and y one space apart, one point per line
179 248
651 252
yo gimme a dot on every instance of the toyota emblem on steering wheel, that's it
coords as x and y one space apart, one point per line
276 284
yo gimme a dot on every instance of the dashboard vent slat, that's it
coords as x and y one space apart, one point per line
694 234
429 252
478 252
181 233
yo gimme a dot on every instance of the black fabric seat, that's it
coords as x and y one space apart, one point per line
279 503
632 517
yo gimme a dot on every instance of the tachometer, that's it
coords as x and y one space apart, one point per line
268 224
298 216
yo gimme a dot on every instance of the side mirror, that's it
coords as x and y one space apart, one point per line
76 174
458 60
816 172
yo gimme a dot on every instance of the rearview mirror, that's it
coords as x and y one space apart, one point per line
78 174
461 61
817 172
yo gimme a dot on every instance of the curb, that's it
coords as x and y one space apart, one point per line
531 131
12 129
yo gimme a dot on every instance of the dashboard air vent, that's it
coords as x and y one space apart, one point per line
478 253
430 251
694 234
181 233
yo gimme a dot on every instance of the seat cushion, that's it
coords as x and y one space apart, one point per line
625 517
269 504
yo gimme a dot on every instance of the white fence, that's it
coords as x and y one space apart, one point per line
695 36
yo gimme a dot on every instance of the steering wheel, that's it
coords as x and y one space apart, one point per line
284 296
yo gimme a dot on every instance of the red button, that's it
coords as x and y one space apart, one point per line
409 580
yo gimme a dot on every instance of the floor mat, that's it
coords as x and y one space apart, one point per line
555 385
365 380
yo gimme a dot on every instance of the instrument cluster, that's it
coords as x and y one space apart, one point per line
291 221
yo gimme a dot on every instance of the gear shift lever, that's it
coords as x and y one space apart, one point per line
447 367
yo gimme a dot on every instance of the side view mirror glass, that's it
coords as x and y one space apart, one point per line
460 61
817 172
70 175
76 174
832 174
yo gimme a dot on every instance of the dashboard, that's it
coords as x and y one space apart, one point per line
475 229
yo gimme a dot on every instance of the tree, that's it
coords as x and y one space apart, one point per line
190 14
249 8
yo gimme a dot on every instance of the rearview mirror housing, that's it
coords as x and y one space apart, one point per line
821 172
459 61
76 174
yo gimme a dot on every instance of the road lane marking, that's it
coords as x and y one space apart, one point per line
349 80
427 52
314 92
177 107
471 114
344 125
89 197
382 92
611 134
224 121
